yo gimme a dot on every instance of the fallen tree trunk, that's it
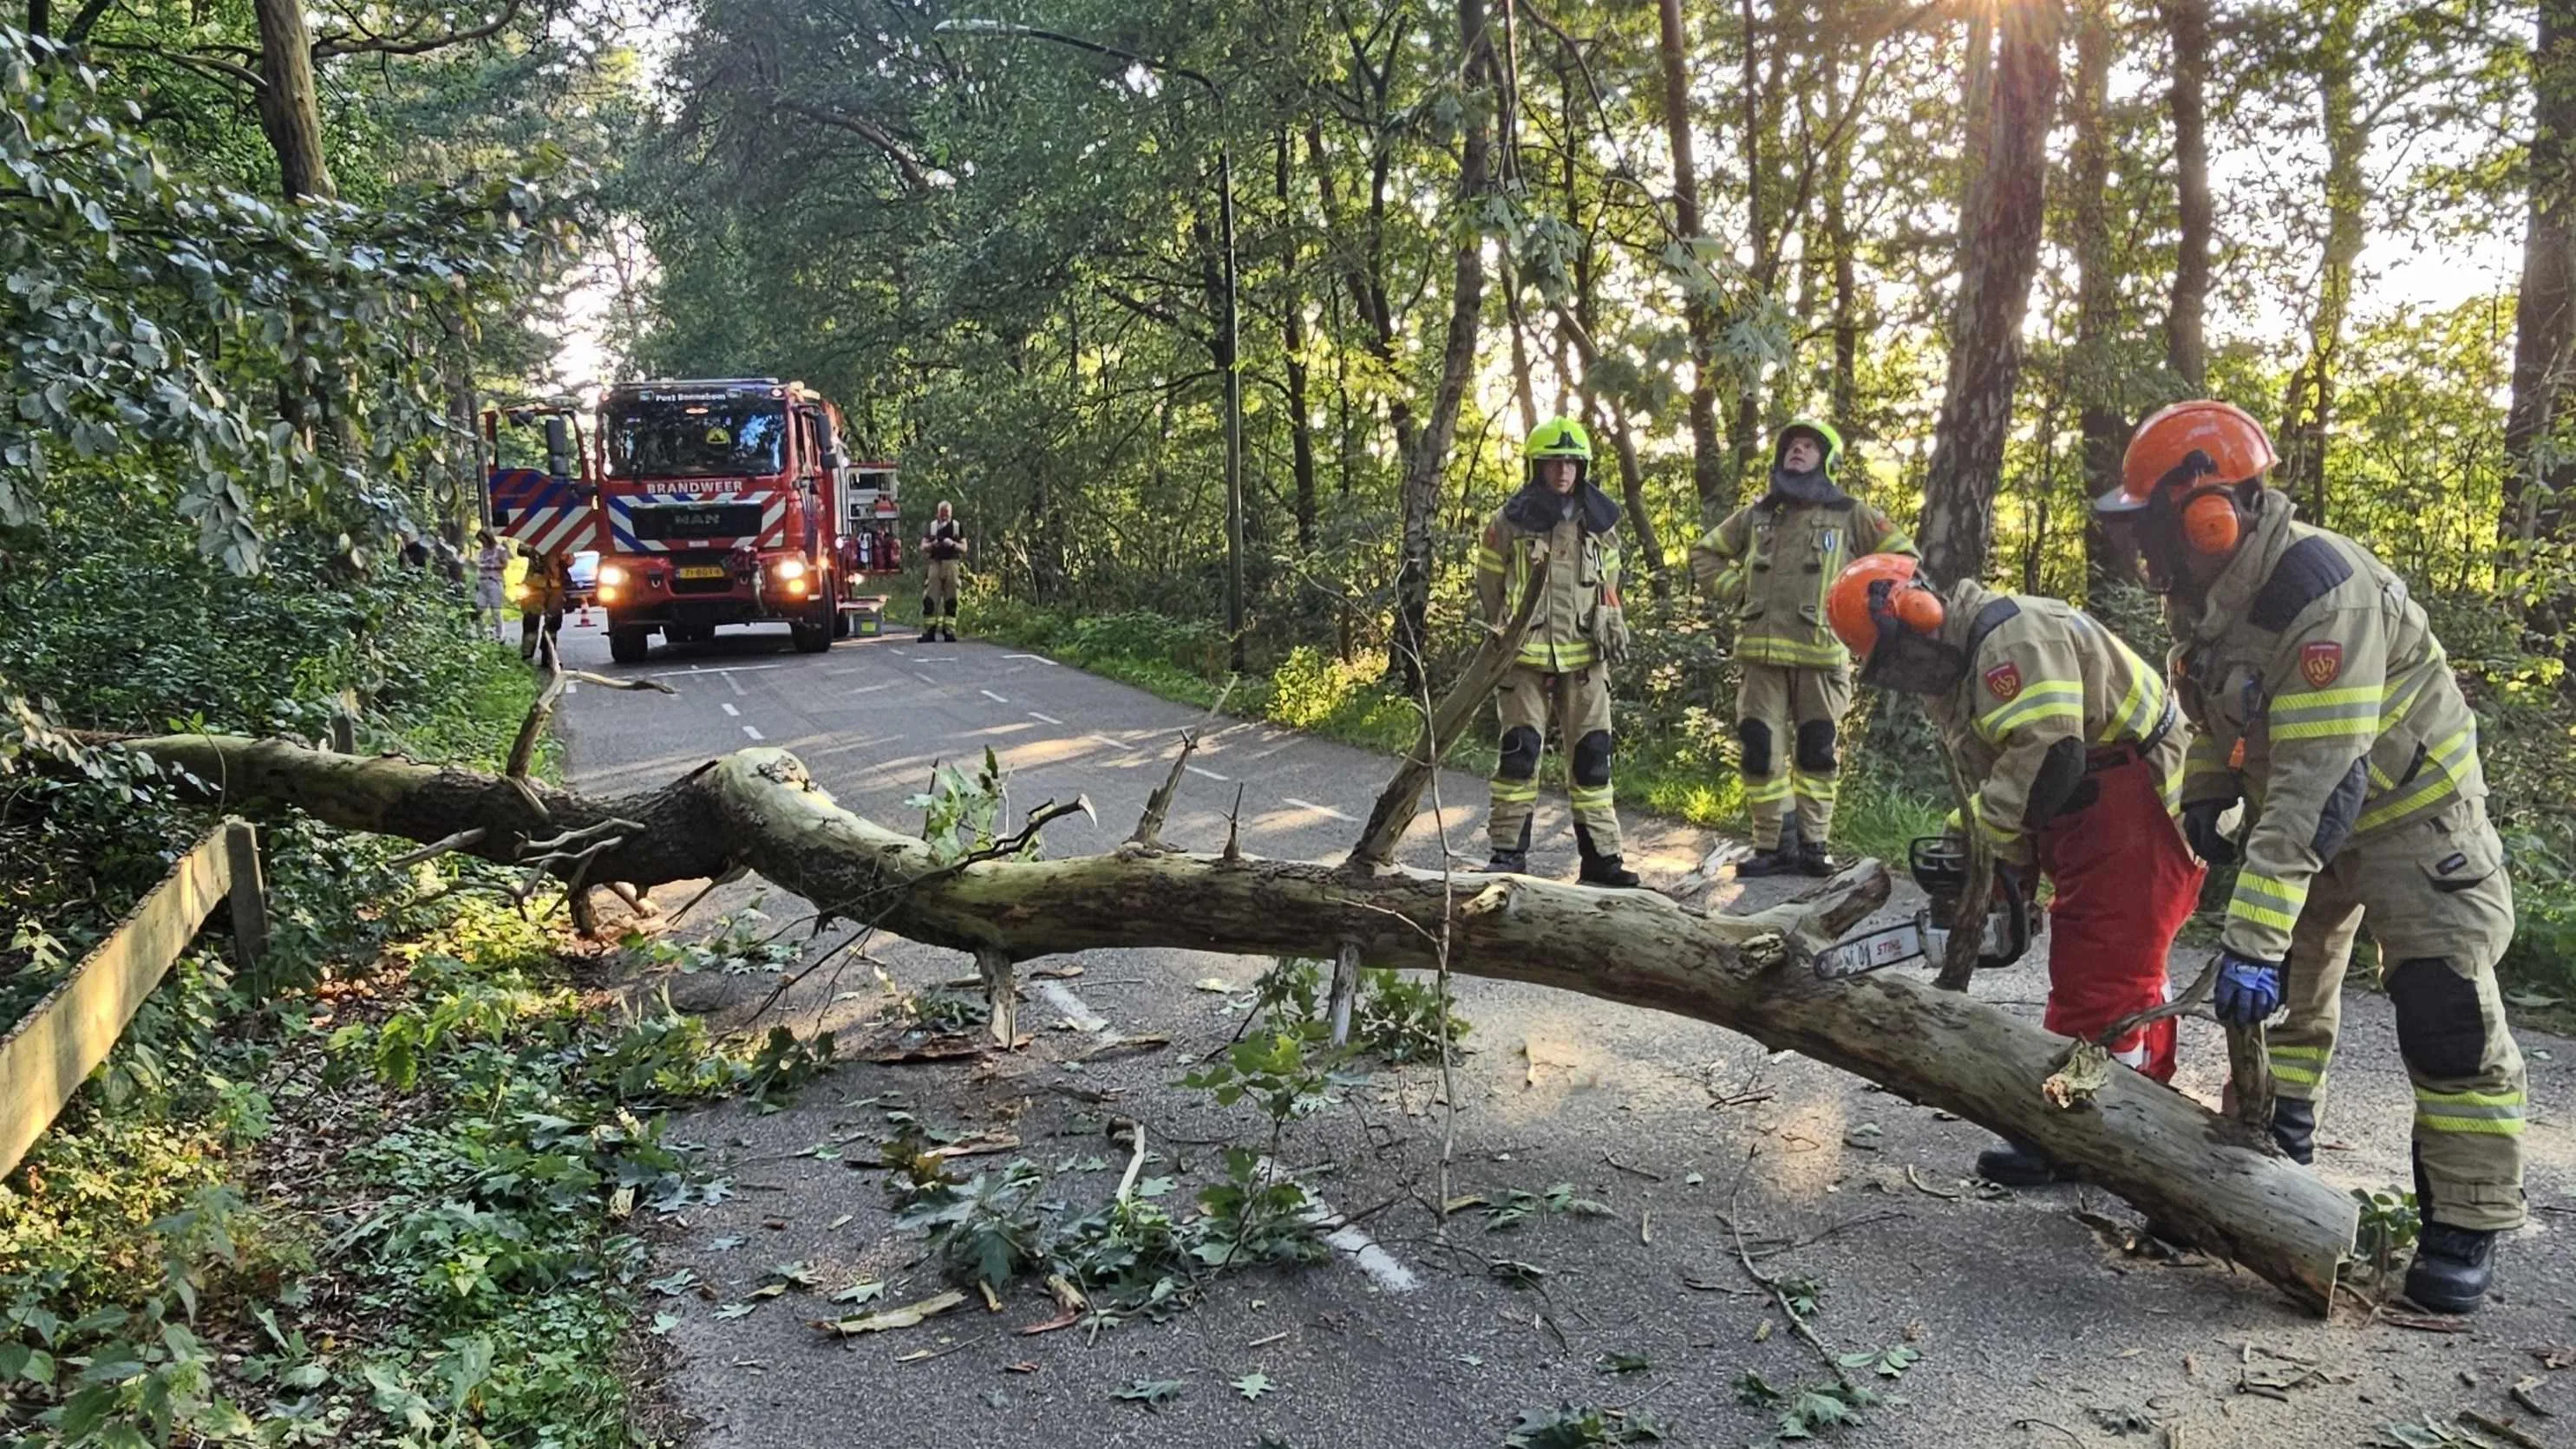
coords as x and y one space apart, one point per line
2215 1180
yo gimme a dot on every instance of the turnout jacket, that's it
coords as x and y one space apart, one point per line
2324 701
2046 688
1772 561
1580 619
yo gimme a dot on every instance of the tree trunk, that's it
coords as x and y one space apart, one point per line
1744 421
2097 375
2186 346
1709 474
2544 322
1999 253
2217 1180
288 112
2309 409
1429 459
1301 433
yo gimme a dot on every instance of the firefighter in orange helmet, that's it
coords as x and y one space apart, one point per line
2070 744
2324 702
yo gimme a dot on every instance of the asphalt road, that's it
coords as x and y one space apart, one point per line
2032 1324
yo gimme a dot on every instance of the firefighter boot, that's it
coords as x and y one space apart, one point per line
2294 1127
2017 1164
1608 872
929 620
1812 860
1508 862
1779 860
2452 1267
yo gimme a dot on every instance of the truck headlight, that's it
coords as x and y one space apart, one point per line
612 577
791 568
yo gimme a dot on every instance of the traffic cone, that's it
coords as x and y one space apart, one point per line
584 621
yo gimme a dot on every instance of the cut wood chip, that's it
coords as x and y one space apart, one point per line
1125 1046
983 1146
909 1315
1066 1319
937 1049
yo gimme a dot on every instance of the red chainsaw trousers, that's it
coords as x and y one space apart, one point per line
2125 882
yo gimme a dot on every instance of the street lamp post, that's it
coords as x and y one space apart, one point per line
1230 354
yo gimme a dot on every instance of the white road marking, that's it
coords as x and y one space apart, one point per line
924 678
737 686
727 706
1042 659
571 689
897 653
1210 774
995 698
1061 997
873 688
719 669
755 734
1050 719
1318 809
1380 1265
936 659
1106 740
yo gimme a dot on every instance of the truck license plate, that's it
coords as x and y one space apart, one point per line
703 571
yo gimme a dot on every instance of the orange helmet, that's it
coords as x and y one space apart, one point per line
2203 441
1877 591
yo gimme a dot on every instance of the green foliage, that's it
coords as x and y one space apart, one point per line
959 811
1571 1426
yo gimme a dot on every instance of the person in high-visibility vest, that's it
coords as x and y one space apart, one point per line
943 549
1563 671
1771 562
2325 704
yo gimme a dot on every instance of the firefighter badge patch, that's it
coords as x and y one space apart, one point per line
2004 681
2321 663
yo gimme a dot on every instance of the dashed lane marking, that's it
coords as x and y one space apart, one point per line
1042 659
995 698
719 669
1209 774
924 678
755 734
727 706
737 686
873 688
1106 740
1318 809
1050 719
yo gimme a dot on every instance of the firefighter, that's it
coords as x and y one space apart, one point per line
2324 701
1771 562
1563 671
542 594
2071 744
943 544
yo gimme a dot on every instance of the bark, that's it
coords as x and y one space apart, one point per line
1429 459
1709 475
2186 345
2544 323
1301 433
1744 422
1999 253
288 112
1843 241
2101 416
2309 411
2217 1180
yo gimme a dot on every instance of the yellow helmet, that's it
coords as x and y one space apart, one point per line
1560 438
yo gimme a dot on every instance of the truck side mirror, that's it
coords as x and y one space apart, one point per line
558 447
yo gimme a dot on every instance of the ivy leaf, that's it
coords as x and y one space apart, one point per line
1152 1393
1252 1385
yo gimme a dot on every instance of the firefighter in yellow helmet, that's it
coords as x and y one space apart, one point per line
2323 701
1771 563
1577 632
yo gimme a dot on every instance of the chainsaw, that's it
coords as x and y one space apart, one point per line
1939 864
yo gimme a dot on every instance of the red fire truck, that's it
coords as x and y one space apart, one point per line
732 501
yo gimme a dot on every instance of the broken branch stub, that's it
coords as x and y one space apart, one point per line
2216 1180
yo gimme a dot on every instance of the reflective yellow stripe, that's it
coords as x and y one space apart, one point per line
2438 781
2038 700
1774 788
1488 561
1815 787
1766 649
2493 1113
1515 792
2296 1053
2002 833
2301 1075
1585 795
2267 902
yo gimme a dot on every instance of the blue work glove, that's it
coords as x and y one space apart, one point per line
2200 828
2248 990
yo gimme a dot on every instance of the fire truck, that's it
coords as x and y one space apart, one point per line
713 502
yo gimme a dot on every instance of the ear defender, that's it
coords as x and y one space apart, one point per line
1907 603
2210 521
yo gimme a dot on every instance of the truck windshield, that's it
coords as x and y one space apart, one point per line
722 438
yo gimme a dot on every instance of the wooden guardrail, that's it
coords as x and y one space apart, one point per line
62 1038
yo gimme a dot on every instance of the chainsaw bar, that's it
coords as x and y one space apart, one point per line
1887 946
